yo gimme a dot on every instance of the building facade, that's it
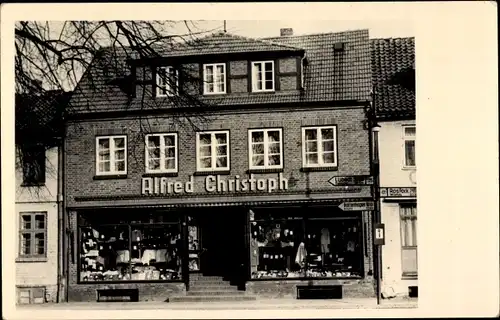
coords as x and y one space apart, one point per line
244 184
393 63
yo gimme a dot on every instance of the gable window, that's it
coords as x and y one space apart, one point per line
214 78
33 163
319 147
33 234
111 155
265 146
161 152
262 76
408 215
409 133
212 150
167 81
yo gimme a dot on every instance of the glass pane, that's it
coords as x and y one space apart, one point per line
328 158
221 162
154 164
26 243
205 151
39 221
274 160
268 66
258 148
222 150
258 160
169 141
327 134
221 138
206 162
410 153
257 68
274 148
311 146
40 243
170 153
170 164
327 146
257 136
120 155
210 87
154 153
311 134
410 131
220 69
120 165
104 155
273 136
26 222
119 142
312 158
103 144
153 141
220 87
205 139
269 85
409 260
209 73
104 166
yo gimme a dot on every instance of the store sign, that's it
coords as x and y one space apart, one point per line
351 180
357 206
379 236
398 192
212 183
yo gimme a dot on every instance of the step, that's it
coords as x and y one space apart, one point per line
210 282
214 293
194 277
212 298
227 288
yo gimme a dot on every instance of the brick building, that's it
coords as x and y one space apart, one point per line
394 86
229 194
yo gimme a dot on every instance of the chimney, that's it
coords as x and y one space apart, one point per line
286 32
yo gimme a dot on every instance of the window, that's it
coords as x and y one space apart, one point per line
213 150
30 295
161 152
167 81
265 146
263 76
409 146
33 235
33 162
214 78
408 214
319 146
111 155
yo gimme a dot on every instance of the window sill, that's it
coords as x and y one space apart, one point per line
34 184
263 92
409 276
272 170
160 174
31 259
213 172
315 169
409 168
214 93
110 176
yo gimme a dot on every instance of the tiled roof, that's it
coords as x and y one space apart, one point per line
329 76
393 72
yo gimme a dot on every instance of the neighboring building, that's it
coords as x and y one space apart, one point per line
37 195
159 206
393 62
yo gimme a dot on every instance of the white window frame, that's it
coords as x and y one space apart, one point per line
163 157
32 231
111 155
168 86
320 152
406 243
266 154
205 81
213 151
254 77
408 138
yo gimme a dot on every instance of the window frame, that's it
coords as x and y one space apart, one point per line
213 153
168 86
254 77
320 147
250 151
39 158
405 139
205 82
162 153
111 155
32 231
404 236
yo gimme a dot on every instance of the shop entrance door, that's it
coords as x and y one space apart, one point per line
223 242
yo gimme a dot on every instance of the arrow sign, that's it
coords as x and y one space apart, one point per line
351 180
357 206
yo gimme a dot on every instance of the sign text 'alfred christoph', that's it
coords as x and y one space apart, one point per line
164 185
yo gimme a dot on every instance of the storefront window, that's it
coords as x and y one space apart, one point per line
129 251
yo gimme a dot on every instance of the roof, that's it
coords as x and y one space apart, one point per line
393 72
329 76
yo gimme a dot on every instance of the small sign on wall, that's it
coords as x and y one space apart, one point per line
379 236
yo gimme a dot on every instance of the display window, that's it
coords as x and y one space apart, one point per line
137 249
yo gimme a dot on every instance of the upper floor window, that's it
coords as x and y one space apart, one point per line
167 81
262 76
214 78
319 146
161 152
33 234
111 155
265 146
212 150
409 146
33 164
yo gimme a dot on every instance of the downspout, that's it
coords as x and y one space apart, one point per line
60 224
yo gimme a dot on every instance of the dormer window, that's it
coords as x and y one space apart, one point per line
167 81
214 78
262 76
